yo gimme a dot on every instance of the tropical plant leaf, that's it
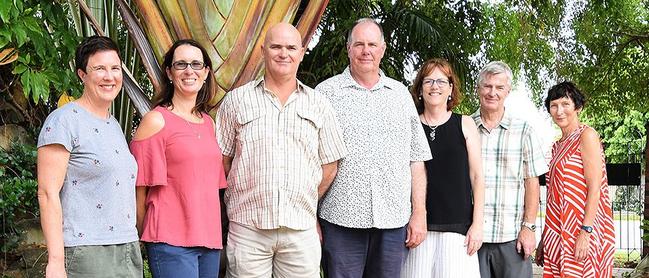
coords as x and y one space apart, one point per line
134 91
145 50
5 8
231 31
8 55
136 94
155 28
64 99
252 62
310 19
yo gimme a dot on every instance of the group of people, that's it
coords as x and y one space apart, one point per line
359 177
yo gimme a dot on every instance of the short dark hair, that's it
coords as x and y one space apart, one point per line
428 67
91 45
565 89
205 94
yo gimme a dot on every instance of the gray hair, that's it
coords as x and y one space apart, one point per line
364 20
496 67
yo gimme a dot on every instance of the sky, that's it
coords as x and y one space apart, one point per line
520 104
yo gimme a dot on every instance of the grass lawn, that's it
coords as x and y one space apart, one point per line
620 259
628 217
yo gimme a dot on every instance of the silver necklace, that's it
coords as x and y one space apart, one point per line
433 128
198 134
432 131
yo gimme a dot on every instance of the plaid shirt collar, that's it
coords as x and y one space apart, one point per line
505 122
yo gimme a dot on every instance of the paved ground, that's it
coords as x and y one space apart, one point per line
617 272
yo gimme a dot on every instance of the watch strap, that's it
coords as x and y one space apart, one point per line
588 229
531 226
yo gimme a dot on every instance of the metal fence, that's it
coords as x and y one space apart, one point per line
627 219
628 207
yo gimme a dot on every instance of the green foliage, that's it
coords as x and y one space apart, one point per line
609 58
111 24
645 227
414 31
628 199
45 41
623 136
521 34
18 187
624 139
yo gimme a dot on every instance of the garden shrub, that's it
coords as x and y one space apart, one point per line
18 186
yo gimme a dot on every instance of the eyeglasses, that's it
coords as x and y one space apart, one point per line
195 65
442 83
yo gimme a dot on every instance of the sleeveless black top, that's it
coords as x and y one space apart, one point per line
449 203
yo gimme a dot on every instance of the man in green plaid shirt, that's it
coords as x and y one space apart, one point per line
512 159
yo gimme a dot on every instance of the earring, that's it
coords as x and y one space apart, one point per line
449 97
419 97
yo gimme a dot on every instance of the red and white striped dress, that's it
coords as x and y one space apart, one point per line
565 213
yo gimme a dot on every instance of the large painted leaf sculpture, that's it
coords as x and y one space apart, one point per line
232 31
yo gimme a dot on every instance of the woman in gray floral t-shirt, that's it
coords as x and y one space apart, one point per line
86 176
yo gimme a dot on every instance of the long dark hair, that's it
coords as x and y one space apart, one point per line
205 94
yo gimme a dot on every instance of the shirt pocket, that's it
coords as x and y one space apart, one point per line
252 125
308 128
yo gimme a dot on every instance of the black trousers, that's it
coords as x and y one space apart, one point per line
502 260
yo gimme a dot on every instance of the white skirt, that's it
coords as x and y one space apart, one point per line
441 255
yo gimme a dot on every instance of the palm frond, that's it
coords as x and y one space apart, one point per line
138 37
134 91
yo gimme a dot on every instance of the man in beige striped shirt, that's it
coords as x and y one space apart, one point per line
281 145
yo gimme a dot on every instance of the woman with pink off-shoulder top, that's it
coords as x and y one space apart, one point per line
180 170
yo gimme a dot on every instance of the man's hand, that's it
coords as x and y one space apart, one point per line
318 230
525 242
539 254
416 230
473 239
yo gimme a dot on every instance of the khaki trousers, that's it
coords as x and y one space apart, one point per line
117 260
279 252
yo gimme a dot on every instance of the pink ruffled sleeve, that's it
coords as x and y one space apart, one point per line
151 161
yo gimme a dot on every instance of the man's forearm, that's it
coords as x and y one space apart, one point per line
418 172
532 192
329 171
227 164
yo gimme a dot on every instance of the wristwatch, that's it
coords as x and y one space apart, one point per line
588 229
528 225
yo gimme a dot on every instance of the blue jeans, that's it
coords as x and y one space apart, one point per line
354 253
172 261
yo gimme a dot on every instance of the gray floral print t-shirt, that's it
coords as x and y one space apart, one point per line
98 194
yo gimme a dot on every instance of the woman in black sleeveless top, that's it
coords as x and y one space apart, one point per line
455 188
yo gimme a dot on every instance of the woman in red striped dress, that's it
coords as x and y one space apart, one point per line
578 239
